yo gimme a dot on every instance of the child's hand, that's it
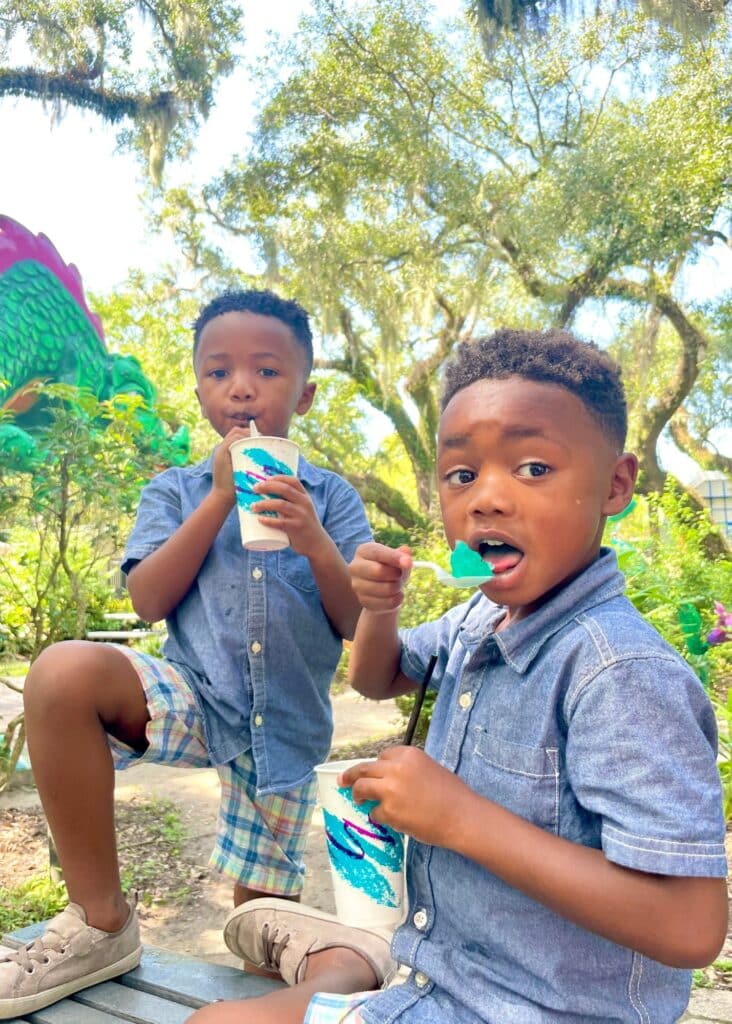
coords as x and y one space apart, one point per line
223 475
415 794
296 513
378 574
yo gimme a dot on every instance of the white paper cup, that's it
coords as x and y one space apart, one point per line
366 857
253 459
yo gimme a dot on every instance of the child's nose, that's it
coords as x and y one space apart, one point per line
491 495
242 386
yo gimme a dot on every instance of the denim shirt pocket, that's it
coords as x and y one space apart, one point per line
524 780
295 570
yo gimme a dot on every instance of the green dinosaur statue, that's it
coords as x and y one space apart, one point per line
49 334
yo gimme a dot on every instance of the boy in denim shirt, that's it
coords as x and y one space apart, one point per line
566 859
253 641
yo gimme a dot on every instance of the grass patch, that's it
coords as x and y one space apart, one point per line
717 975
35 900
150 840
14 669
153 866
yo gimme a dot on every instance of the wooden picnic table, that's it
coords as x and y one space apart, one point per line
165 989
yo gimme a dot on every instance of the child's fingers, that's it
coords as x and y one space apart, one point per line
374 561
357 771
281 484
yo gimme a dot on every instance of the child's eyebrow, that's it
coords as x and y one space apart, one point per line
216 356
457 441
520 430
511 432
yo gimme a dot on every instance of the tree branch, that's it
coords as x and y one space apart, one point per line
707 458
111 106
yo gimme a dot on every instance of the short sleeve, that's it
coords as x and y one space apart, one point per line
438 638
345 519
158 517
641 754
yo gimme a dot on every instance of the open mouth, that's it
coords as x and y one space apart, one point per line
501 556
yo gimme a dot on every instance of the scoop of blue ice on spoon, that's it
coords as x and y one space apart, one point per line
468 568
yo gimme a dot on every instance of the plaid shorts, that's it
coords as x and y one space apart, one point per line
327 1008
260 840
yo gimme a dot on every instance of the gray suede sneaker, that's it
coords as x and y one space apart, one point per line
70 955
279 935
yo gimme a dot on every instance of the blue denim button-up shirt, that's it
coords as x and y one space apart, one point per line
582 720
251 636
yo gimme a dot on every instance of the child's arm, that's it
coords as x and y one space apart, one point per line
296 515
678 921
159 582
377 575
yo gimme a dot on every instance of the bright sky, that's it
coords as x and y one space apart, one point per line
68 180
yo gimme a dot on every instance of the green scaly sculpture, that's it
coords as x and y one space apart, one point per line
49 334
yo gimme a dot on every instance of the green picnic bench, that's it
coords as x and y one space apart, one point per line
165 989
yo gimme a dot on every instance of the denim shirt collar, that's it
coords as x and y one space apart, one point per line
521 642
306 472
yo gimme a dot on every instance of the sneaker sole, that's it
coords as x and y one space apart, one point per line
29 1004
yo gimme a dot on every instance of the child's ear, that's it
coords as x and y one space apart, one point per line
622 484
306 398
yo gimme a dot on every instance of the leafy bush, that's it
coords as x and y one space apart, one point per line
662 549
35 900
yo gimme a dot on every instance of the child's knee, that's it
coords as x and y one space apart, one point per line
64 671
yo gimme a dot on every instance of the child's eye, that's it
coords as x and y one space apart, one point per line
459 477
218 373
533 469
267 371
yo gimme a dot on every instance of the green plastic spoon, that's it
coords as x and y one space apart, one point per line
468 568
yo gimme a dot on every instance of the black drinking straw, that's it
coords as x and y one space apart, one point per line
418 702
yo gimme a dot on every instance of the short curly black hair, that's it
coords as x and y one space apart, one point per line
265 303
550 357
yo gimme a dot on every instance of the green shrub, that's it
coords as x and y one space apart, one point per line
34 900
662 550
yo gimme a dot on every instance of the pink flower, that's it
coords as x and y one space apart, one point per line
720 634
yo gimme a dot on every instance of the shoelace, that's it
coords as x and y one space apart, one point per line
36 952
273 949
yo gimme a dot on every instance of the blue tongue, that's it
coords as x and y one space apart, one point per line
466 562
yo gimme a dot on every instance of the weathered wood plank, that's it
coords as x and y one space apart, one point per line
125 1003
69 1012
24 935
192 981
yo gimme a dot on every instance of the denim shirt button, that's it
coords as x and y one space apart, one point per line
258 719
420 979
420 919
257 573
465 700
256 647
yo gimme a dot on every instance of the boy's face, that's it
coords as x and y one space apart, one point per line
527 477
248 367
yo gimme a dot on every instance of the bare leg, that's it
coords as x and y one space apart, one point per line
242 895
331 970
74 694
